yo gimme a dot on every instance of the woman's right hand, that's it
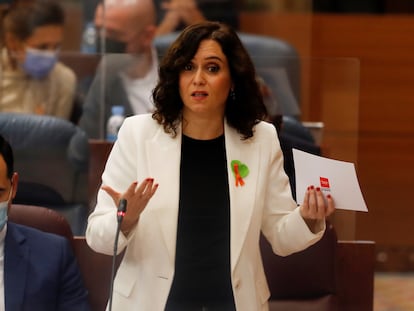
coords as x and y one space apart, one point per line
137 197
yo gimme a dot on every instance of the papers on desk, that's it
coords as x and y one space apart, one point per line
337 178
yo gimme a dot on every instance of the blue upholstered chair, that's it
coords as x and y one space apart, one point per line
51 157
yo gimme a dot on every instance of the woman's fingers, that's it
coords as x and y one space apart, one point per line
316 205
309 202
135 193
331 205
131 190
321 207
146 189
115 195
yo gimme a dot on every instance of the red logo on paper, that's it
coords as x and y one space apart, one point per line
324 182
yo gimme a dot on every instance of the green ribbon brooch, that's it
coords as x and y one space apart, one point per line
240 171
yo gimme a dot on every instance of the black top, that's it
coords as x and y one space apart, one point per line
202 264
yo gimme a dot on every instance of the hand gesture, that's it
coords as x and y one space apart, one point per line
137 197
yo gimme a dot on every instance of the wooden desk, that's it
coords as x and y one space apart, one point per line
354 265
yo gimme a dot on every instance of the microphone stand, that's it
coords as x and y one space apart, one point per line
120 216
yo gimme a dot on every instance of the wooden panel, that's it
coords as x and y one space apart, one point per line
386 163
383 45
99 152
355 266
96 270
355 274
73 27
295 28
329 91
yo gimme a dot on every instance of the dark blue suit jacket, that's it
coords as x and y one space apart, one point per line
41 272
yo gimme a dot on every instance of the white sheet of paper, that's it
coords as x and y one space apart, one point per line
338 178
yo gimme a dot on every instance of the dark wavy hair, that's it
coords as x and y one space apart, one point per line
23 19
243 111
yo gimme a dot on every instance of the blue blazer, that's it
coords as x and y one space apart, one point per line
41 272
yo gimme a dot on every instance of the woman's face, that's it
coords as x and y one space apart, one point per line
44 38
205 82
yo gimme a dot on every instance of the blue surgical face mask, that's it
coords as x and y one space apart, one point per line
4 206
38 63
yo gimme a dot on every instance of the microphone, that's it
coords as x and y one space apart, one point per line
121 210
122 206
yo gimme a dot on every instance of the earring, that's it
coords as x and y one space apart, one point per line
232 94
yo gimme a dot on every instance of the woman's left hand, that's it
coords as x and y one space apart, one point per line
316 206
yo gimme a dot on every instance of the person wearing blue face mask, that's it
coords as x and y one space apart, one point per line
38 63
29 279
32 78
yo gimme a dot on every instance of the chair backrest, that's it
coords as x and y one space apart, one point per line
49 151
41 218
303 276
52 159
84 66
276 61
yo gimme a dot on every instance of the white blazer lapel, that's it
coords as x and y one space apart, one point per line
242 198
164 154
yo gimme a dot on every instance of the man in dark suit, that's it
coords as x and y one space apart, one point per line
39 270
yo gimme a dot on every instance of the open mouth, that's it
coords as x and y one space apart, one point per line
199 94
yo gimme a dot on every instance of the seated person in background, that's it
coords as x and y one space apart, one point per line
38 270
32 79
174 15
123 79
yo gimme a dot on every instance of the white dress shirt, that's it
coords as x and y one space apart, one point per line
139 90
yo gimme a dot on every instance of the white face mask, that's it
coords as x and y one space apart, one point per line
3 211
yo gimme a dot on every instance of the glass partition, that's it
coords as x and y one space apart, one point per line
82 36
321 94
325 92
331 109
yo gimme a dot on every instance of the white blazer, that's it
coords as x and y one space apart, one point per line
264 203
